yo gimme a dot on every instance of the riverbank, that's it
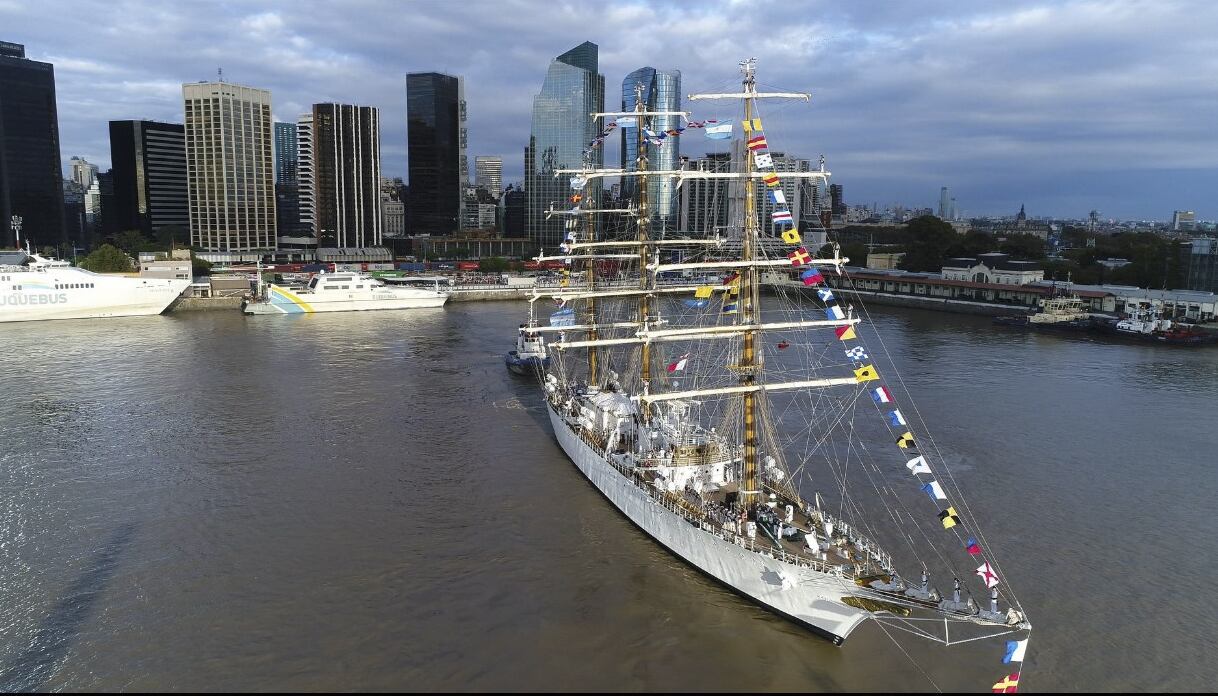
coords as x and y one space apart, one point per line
938 304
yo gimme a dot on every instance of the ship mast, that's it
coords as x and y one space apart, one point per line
643 221
590 236
750 310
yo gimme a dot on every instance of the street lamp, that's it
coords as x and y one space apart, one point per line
15 221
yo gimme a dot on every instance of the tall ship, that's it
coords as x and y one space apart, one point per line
738 429
39 288
347 292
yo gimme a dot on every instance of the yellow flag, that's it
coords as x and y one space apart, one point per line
703 291
791 236
752 124
866 373
949 518
905 441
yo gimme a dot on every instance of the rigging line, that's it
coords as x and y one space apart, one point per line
916 520
907 655
951 565
972 520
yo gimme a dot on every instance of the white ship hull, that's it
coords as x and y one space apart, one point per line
367 295
74 294
813 599
347 305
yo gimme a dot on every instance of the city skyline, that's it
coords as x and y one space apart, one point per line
1046 104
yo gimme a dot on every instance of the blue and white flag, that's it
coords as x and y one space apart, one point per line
719 131
934 491
778 197
896 418
825 294
762 160
834 312
578 182
857 353
781 216
563 317
1015 651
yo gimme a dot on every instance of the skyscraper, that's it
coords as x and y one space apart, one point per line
435 135
488 175
306 194
229 167
287 194
944 204
837 200
562 127
285 153
661 91
83 173
31 180
149 168
347 175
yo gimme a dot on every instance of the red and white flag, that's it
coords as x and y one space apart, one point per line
679 364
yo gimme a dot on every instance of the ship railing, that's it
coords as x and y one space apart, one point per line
669 503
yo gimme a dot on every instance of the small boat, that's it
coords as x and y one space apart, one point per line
530 356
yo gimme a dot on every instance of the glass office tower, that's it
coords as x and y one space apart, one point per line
562 128
661 91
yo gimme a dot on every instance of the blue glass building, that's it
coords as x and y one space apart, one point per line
661 91
561 130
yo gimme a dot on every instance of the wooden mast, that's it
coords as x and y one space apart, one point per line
644 225
749 309
590 235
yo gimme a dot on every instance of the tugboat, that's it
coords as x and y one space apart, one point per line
530 355
1066 313
1145 324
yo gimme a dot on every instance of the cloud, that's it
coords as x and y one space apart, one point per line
993 99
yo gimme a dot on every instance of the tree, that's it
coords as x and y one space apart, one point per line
130 241
493 264
1024 246
107 259
199 266
928 242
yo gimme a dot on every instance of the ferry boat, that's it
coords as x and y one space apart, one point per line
39 288
347 292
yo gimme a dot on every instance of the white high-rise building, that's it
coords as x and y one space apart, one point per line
83 173
306 190
488 175
229 167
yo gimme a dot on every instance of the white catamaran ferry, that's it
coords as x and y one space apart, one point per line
734 427
348 292
39 288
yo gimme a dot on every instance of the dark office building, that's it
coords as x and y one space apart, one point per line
31 180
837 203
347 175
149 169
287 189
434 138
514 204
105 225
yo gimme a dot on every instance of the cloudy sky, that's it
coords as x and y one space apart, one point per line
1064 106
